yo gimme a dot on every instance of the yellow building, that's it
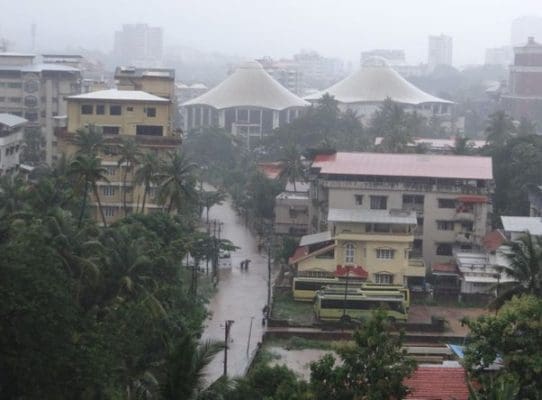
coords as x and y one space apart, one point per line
157 81
120 114
374 245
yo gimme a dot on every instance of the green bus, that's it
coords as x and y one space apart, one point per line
332 307
383 292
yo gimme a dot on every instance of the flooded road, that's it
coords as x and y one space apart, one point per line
241 296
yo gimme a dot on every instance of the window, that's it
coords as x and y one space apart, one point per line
129 108
15 85
379 202
384 279
31 116
15 100
110 211
115 110
100 109
444 249
151 112
109 190
110 130
149 130
381 228
111 171
358 198
446 203
87 109
349 253
385 254
445 225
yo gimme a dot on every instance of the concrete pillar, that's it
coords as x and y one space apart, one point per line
276 119
194 117
222 118
49 121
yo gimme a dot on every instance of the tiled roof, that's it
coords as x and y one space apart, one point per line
115 94
493 240
411 165
271 169
437 383
299 253
353 272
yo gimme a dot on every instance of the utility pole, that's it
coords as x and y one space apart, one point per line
226 339
269 243
345 291
249 334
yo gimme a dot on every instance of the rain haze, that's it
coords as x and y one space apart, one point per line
275 28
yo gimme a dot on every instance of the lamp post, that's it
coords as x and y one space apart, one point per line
348 267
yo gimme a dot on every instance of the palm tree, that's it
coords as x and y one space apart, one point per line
13 193
184 368
88 170
391 122
463 146
146 174
89 139
500 128
209 199
292 167
524 258
129 155
177 181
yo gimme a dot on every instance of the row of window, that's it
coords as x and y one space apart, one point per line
409 201
11 99
350 253
11 85
11 150
114 109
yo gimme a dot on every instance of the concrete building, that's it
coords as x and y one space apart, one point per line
121 113
440 51
375 244
392 56
450 195
524 96
248 103
11 141
516 227
286 72
535 200
318 72
523 27
292 210
37 91
139 45
365 91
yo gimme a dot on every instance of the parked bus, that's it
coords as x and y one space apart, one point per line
373 292
305 288
332 307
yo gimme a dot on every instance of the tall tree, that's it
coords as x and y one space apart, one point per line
463 146
373 368
89 171
177 181
128 157
391 123
147 174
89 140
292 168
211 198
526 127
33 147
524 266
500 128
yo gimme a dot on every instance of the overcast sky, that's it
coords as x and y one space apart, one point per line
253 28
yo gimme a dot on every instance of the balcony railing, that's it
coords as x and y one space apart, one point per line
416 262
400 186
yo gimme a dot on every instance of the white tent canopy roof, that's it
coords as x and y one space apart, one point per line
249 86
373 83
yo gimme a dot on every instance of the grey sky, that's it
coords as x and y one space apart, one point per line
253 28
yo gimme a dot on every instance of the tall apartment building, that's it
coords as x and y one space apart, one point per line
318 72
440 51
450 195
121 114
503 55
392 56
138 44
523 27
375 244
285 72
36 91
11 141
524 97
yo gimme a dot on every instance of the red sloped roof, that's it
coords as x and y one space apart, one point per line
437 383
271 169
473 199
355 272
493 240
300 252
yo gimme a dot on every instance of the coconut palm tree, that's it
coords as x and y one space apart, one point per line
499 129
129 155
146 174
184 368
177 181
209 199
13 193
391 122
292 166
524 258
88 170
89 139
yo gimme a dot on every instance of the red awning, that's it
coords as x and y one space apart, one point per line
445 268
351 271
473 199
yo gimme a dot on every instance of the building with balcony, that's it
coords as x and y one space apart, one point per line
373 245
292 210
516 227
121 114
440 51
365 91
249 103
11 141
449 194
36 91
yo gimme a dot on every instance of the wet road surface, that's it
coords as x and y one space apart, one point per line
241 296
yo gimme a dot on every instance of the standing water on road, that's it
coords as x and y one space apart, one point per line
241 295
